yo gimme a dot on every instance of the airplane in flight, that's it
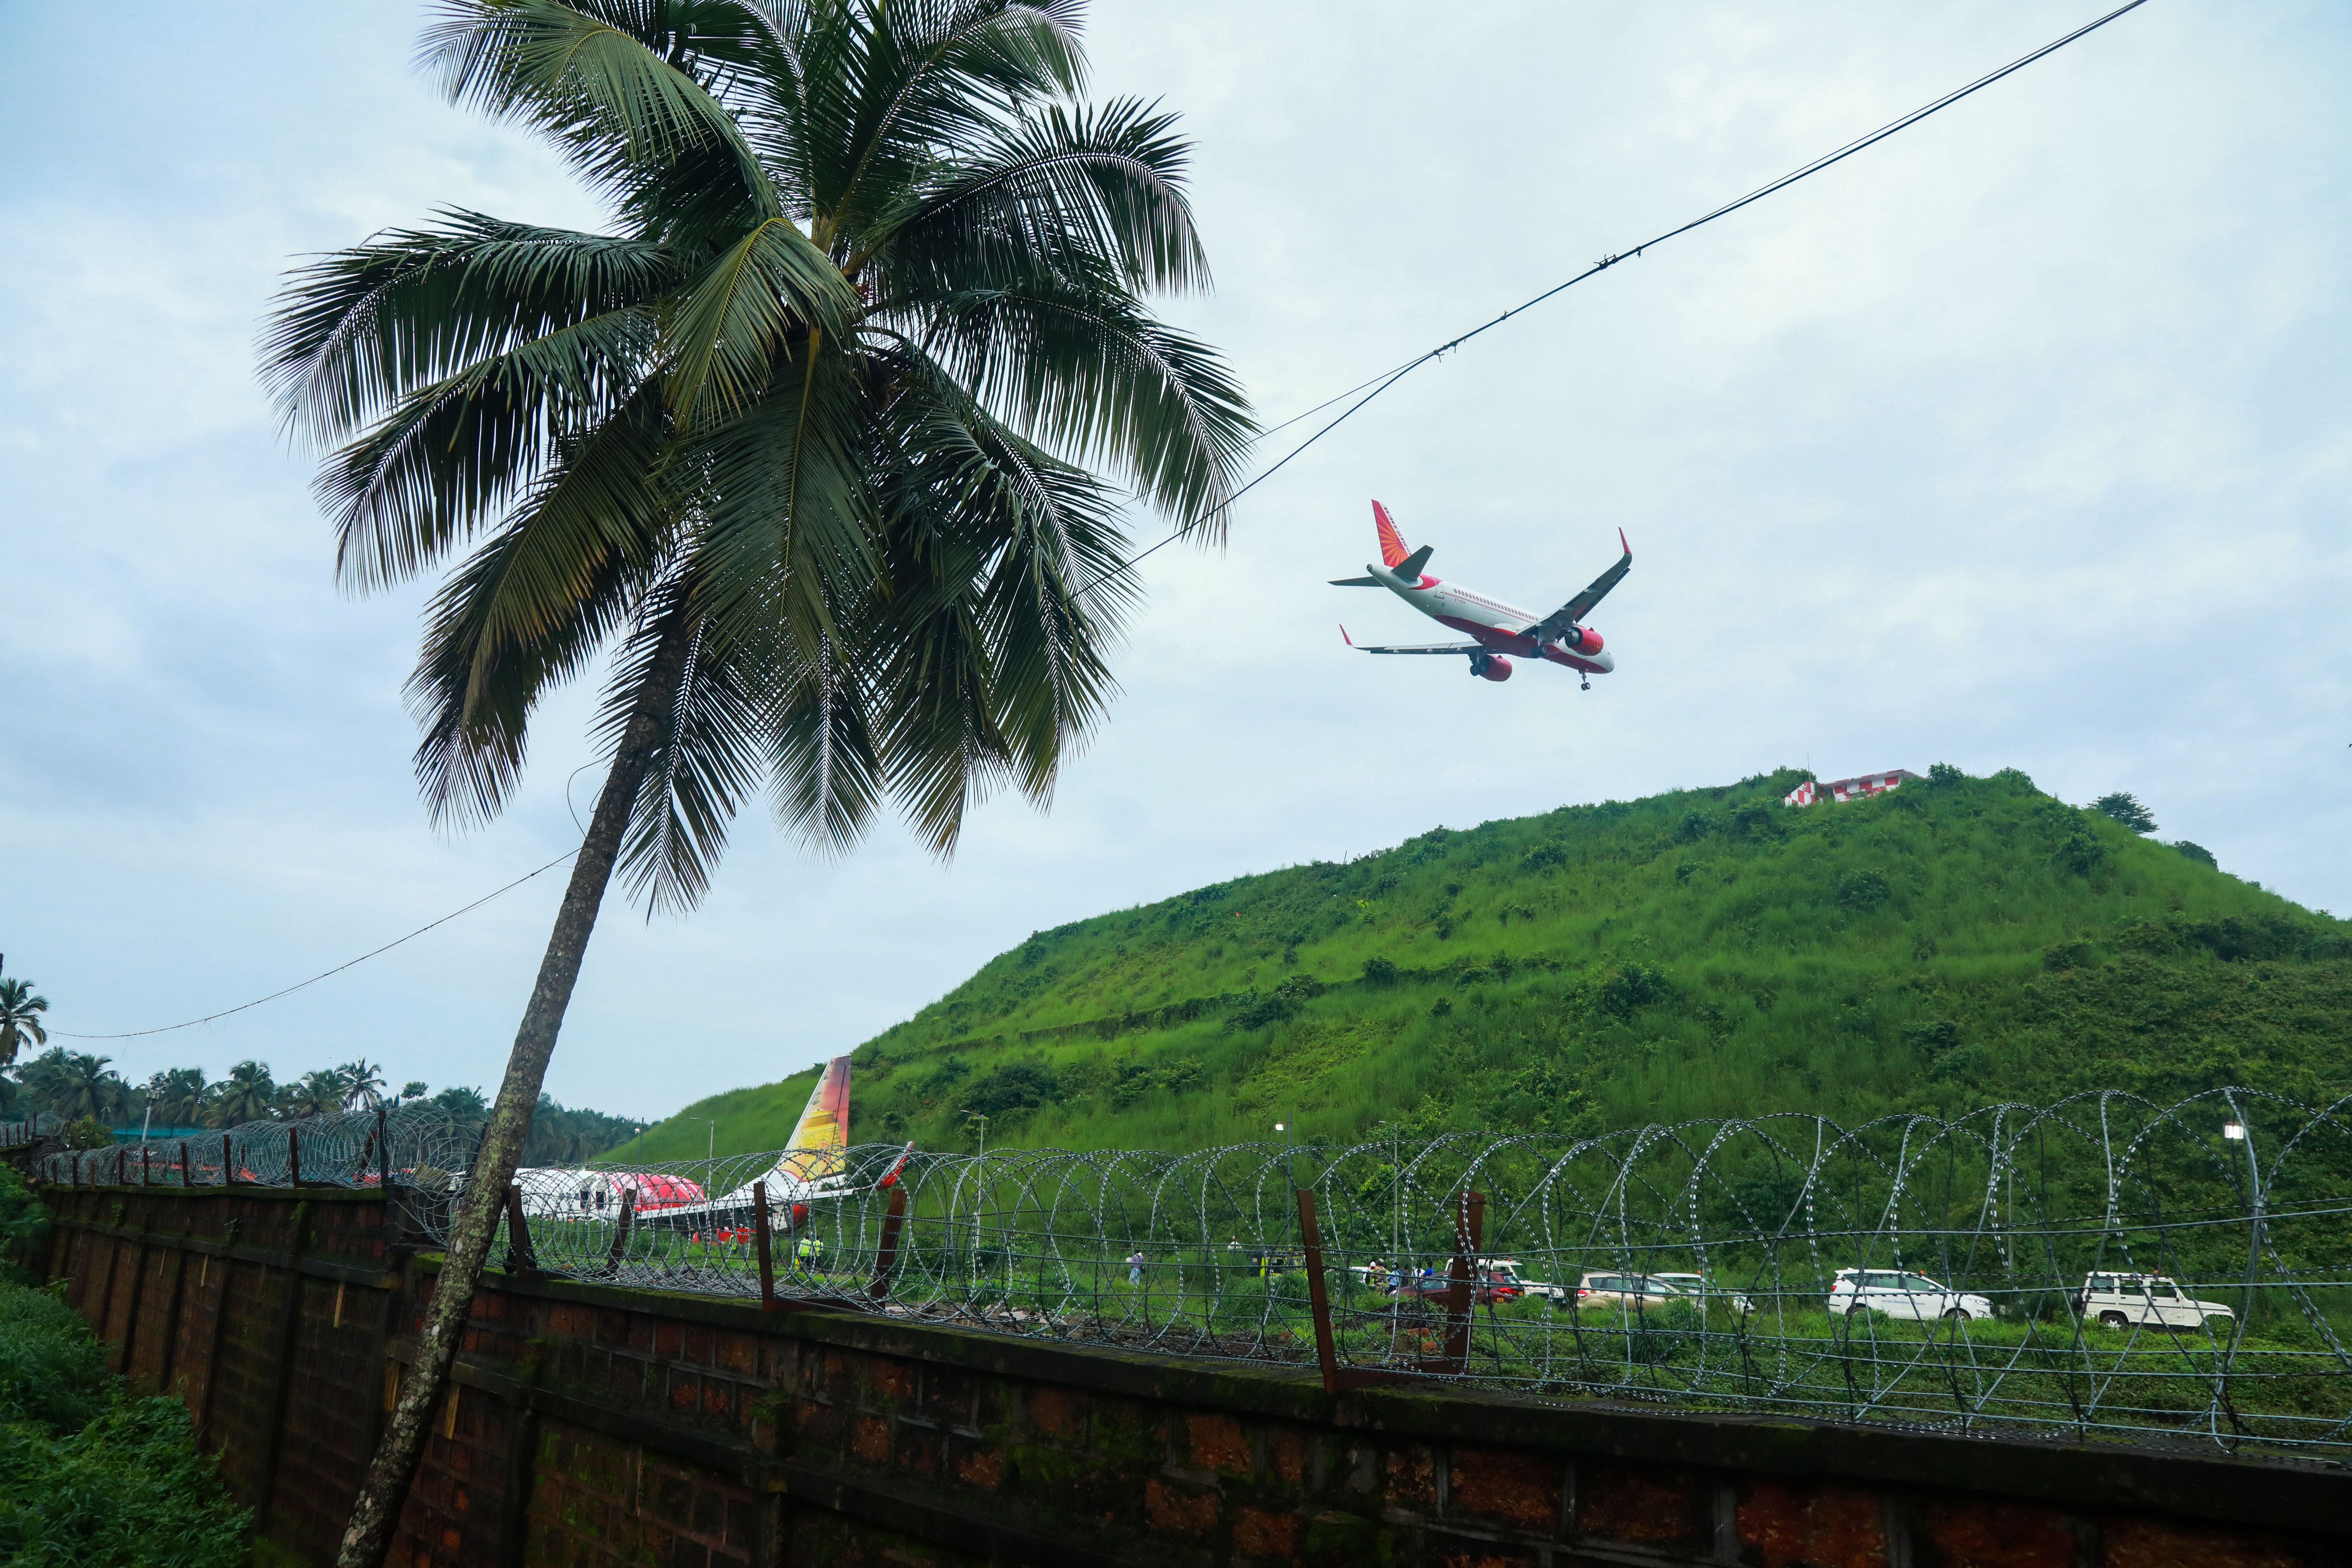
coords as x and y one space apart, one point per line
1503 631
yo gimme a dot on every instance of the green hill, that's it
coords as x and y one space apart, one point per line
1704 952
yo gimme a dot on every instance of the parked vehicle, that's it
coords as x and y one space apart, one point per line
1508 1269
2147 1301
1899 1295
1701 1286
1637 1292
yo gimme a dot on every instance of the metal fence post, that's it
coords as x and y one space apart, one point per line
760 1244
1326 1354
293 1156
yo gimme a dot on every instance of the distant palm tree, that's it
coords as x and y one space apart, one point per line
247 1094
363 1084
413 1089
20 1019
804 443
176 1095
88 1086
319 1092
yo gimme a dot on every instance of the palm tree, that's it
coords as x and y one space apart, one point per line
177 1095
20 1019
247 1094
803 441
88 1086
413 1089
362 1083
319 1092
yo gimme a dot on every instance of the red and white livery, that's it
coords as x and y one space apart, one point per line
1502 632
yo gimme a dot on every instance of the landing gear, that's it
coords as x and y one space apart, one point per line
1585 685
1480 664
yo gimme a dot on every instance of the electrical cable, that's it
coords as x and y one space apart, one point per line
363 958
1387 379
1378 385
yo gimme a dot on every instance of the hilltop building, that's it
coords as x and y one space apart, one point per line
1848 789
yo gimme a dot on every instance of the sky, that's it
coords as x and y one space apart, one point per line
2020 440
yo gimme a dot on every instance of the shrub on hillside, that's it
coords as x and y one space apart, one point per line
2197 852
1694 826
1862 891
2124 807
1380 971
1016 1086
1543 857
1945 774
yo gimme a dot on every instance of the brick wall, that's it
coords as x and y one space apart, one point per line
599 1426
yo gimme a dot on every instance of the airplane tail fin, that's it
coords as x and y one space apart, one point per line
821 1137
1392 549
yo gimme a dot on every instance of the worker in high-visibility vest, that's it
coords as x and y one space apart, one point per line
810 1253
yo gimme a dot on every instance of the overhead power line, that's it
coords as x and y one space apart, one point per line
1369 389
1388 378
363 958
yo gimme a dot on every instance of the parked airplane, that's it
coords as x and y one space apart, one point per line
1500 629
812 1167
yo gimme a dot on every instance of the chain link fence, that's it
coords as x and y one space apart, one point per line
2107 1266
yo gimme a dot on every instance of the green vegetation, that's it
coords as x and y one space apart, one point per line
1705 953
86 1090
92 1476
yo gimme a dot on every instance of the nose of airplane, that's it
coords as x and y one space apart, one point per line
1606 660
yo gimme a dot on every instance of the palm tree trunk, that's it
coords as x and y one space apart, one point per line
368 1537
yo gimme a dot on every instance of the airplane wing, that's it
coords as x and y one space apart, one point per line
1576 609
1416 647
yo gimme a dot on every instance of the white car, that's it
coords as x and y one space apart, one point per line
1699 1285
2148 1301
1899 1295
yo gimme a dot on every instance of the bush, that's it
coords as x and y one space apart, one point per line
90 1477
24 1226
2124 807
2197 852
1862 891
1380 971
88 1133
52 1368
129 1489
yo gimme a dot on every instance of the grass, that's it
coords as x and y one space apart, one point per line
1705 953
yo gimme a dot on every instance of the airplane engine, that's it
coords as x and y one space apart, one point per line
1582 639
1493 666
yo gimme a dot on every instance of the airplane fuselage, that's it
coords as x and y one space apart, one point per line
1498 626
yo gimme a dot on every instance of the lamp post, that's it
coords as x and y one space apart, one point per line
2235 1130
979 1177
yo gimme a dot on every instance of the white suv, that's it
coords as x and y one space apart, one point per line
1900 1295
2148 1301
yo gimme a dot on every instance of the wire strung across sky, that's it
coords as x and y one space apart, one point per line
1376 385
1387 379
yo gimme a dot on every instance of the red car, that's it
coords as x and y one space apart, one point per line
1486 1288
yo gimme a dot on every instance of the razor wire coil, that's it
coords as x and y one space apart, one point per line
2102 1267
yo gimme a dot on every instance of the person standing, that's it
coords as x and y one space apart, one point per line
1135 1267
